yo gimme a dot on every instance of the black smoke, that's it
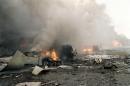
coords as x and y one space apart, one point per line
41 24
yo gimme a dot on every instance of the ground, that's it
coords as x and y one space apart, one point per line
81 76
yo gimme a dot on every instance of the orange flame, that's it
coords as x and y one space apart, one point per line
51 54
116 43
54 55
88 50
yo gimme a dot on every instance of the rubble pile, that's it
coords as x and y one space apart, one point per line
34 70
128 61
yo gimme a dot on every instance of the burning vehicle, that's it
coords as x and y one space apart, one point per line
63 55
50 58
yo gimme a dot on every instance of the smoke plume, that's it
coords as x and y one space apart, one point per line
41 24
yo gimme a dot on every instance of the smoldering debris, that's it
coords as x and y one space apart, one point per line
79 69
67 74
29 84
35 26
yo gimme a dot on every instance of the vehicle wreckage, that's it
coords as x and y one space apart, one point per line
42 58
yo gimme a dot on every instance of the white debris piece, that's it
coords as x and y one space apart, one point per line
98 60
2 66
102 56
37 70
29 84
5 59
46 67
65 67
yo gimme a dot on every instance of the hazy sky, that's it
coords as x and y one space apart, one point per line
119 11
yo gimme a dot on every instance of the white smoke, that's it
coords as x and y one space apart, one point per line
76 22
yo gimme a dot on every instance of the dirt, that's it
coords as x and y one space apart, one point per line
83 76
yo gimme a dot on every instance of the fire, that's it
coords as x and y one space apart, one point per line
116 43
51 54
88 50
54 55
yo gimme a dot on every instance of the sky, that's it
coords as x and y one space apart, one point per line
119 11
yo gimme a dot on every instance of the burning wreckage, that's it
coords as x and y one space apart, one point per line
66 55
65 58
42 58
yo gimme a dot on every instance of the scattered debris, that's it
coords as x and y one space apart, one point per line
37 70
85 67
128 62
51 82
2 66
65 67
120 64
5 59
16 71
77 70
19 60
29 84
101 56
49 68
6 76
115 65
98 60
